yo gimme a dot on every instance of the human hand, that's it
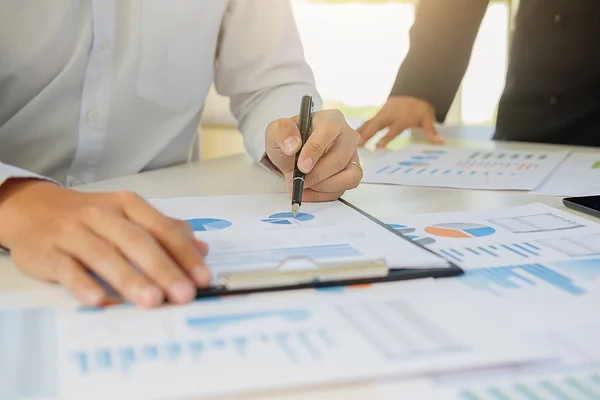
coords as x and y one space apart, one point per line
326 159
398 114
55 234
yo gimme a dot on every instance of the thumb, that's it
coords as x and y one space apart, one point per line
431 132
282 142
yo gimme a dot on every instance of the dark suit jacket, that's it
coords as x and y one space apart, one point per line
552 91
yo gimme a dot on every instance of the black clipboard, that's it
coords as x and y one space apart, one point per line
391 276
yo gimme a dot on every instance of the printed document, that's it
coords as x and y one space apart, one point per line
259 231
463 168
578 175
249 344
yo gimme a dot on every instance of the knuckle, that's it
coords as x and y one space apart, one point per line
313 178
315 148
185 227
91 213
282 124
330 128
128 197
340 162
168 225
335 114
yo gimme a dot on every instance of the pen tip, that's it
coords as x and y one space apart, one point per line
295 210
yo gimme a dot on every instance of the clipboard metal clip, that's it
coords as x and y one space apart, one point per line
300 270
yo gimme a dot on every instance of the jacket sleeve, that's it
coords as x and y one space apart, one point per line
441 42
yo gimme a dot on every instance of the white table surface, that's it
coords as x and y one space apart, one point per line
240 175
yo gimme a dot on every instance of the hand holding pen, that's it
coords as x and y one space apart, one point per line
326 157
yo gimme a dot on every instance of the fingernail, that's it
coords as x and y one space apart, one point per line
307 164
149 296
290 145
183 292
201 275
93 297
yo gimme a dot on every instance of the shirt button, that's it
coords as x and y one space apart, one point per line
93 115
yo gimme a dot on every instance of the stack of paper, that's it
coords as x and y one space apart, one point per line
247 344
533 269
525 314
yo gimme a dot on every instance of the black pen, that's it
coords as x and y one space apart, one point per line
304 125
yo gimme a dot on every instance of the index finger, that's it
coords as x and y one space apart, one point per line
327 126
176 237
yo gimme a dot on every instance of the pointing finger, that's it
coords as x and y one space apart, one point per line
327 126
282 142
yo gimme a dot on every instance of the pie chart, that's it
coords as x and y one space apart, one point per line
287 218
208 224
460 230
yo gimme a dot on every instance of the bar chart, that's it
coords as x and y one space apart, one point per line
576 386
290 346
501 281
490 253
462 168
268 257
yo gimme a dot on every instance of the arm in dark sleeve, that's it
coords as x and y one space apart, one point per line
441 41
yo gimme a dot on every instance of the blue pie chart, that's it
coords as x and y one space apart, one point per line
287 218
208 224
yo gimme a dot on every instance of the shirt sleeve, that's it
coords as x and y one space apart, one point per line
260 66
11 172
441 42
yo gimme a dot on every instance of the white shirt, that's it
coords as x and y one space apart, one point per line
94 89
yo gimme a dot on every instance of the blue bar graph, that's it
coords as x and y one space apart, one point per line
222 321
297 345
565 387
588 270
518 250
519 277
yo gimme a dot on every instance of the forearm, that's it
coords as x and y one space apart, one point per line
442 39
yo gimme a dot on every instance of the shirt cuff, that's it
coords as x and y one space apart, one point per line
11 172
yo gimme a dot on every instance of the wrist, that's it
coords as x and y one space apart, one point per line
18 198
